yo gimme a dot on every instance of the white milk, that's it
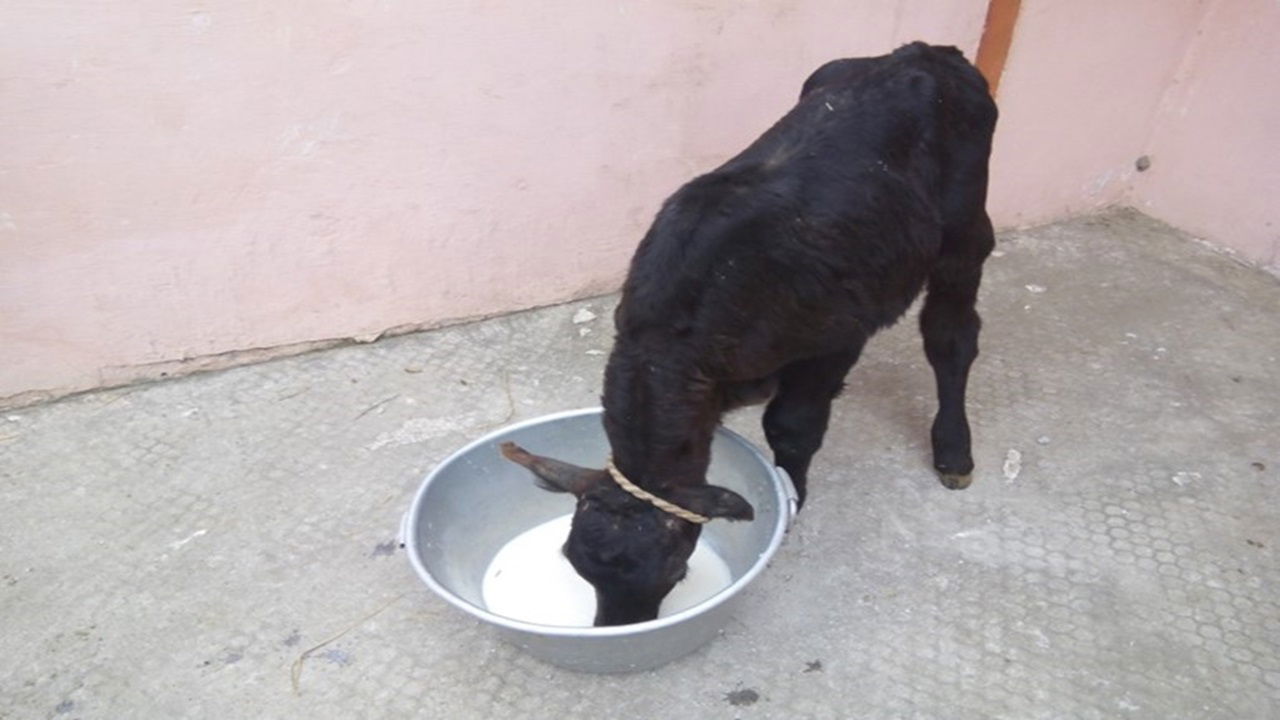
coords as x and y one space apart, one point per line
531 580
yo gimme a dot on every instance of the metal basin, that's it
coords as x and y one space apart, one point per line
475 502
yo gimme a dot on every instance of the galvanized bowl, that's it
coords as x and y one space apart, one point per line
475 502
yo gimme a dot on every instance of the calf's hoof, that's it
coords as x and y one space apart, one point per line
952 481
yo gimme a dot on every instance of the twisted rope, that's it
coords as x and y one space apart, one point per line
652 499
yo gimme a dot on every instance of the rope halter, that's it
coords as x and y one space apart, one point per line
652 499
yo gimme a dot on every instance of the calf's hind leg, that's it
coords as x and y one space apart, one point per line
949 323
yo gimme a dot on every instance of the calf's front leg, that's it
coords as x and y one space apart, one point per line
796 420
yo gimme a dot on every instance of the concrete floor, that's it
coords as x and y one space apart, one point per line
223 545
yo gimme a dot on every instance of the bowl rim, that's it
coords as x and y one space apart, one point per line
784 495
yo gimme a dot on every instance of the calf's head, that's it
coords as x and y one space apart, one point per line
630 551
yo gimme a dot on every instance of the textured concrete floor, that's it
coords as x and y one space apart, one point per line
223 545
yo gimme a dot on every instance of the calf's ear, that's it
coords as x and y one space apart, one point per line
552 474
714 502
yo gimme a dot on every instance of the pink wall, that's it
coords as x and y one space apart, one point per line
183 179
1215 148
1077 99
1092 85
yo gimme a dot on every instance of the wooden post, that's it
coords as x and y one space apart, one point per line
997 36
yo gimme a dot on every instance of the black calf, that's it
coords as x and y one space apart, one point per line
767 276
